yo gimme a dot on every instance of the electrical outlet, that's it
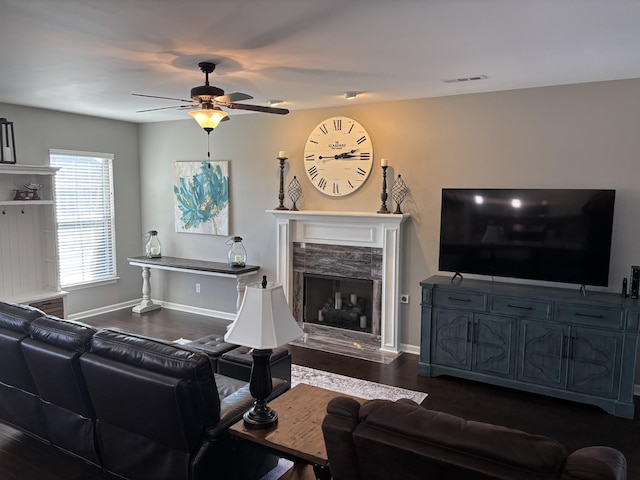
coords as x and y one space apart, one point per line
197 288
404 298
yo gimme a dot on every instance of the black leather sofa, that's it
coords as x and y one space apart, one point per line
381 439
135 406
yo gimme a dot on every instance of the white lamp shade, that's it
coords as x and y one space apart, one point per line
264 320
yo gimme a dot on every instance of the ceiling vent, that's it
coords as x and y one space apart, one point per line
465 79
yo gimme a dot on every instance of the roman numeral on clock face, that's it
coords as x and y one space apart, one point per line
361 172
337 124
322 183
323 128
365 156
361 139
313 171
336 190
310 157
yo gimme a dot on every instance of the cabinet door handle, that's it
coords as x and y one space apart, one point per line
571 347
519 307
578 314
563 354
454 299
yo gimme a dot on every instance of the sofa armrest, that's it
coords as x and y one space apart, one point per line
595 463
233 406
337 429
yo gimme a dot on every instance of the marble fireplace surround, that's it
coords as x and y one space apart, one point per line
381 233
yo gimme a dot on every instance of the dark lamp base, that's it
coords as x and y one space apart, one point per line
260 385
260 418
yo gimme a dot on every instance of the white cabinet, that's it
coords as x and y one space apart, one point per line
28 240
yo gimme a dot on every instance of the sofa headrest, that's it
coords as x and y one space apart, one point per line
62 333
151 354
18 317
500 444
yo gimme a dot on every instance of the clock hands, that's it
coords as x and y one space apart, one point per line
340 155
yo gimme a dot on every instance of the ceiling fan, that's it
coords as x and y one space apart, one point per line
210 98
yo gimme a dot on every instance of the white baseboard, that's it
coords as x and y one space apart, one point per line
101 310
231 316
413 349
168 305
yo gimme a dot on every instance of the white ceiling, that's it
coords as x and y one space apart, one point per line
88 56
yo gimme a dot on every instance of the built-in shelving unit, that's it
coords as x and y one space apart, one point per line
28 239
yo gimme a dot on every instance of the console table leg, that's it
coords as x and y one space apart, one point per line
147 304
242 286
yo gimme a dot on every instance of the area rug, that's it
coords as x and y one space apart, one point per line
351 386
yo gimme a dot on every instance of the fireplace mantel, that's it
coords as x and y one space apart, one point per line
362 229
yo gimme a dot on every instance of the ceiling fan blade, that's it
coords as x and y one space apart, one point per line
166 108
257 108
233 97
163 98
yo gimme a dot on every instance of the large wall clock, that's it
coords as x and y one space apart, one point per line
338 156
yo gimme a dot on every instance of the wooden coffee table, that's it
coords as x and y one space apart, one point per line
298 434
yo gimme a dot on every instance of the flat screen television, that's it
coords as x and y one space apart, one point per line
555 235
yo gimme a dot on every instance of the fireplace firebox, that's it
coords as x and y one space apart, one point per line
338 302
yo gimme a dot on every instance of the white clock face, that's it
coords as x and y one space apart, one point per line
338 156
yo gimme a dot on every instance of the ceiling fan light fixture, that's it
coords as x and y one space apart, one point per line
274 103
209 117
350 95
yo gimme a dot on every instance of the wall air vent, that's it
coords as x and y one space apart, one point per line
465 79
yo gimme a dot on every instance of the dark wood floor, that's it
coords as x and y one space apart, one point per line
575 425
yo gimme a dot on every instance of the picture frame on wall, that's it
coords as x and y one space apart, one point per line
201 197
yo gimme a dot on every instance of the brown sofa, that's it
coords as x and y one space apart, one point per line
388 440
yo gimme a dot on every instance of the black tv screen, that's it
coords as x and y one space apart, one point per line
555 235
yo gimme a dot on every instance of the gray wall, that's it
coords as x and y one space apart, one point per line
37 131
566 137
576 136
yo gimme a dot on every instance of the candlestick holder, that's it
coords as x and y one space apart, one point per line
399 192
281 193
384 195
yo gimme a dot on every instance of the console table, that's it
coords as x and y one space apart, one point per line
544 340
216 269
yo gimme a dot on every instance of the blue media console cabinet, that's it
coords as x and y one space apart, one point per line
545 340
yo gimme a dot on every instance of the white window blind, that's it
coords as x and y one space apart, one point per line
84 216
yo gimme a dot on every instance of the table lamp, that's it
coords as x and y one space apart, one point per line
263 323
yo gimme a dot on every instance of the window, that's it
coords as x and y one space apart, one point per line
84 217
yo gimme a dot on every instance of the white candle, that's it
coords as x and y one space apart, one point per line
237 259
7 154
354 298
281 154
155 250
363 321
320 315
383 162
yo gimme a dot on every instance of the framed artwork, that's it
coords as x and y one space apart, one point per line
201 197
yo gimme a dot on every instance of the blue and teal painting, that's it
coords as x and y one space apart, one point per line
202 197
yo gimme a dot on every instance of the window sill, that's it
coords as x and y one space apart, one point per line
97 283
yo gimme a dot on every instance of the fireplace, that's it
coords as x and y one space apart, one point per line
349 247
338 302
